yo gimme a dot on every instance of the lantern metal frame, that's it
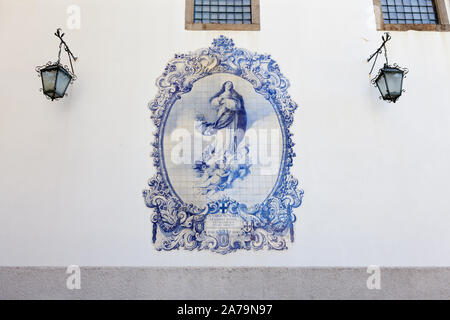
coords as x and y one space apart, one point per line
389 97
381 74
59 67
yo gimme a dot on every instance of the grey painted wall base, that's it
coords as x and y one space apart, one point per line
223 283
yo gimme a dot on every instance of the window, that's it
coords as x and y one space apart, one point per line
420 15
408 11
222 15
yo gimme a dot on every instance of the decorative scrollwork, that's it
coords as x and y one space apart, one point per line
181 225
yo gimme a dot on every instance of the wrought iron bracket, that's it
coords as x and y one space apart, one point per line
386 37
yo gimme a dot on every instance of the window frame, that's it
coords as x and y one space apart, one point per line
254 26
442 16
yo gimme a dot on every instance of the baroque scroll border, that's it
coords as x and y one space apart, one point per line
181 225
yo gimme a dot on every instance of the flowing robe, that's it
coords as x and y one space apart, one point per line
225 159
232 117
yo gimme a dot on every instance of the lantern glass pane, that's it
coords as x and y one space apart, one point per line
49 79
394 81
62 82
381 84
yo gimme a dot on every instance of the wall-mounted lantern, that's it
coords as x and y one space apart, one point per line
55 76
390 78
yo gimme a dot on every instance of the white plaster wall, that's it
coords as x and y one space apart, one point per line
376 176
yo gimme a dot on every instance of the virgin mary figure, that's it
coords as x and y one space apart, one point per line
225 159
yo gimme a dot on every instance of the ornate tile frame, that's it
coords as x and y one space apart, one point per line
181 225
